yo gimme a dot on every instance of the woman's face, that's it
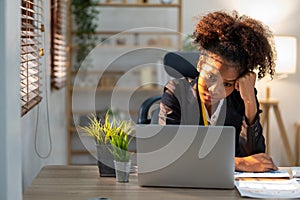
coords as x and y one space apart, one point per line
216 78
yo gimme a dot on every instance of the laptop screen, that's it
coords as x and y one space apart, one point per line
185 156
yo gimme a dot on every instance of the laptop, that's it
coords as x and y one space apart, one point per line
185 156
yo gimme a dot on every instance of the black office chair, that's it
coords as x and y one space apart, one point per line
143 115
177 64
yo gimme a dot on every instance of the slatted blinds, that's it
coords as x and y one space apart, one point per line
31 52
58 43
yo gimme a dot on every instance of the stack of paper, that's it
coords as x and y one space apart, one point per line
284 188
295 172
282 173
273 184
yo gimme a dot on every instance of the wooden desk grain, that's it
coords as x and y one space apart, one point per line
83 182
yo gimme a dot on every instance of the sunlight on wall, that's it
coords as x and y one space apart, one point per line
286 47
268 11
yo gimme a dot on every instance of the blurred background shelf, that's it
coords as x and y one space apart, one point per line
123 70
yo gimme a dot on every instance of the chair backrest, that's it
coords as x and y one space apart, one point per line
177 64
181 63
144 110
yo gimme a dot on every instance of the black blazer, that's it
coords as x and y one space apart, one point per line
180 104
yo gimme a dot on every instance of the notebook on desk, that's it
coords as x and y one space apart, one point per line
185 156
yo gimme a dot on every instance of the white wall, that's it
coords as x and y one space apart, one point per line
37 143
10 134
281 16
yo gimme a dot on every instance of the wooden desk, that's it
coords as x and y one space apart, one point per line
83 182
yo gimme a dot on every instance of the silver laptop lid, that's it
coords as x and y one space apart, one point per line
185 156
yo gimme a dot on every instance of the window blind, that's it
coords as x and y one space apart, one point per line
31 51
58 43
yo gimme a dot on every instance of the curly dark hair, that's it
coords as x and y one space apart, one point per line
239 39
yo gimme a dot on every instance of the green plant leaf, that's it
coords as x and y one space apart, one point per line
113 131
85 17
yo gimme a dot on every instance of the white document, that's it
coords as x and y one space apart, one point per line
282 173
283 188
295 172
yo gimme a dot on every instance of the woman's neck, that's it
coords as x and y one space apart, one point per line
211 108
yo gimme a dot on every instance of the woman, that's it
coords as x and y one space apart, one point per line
231 48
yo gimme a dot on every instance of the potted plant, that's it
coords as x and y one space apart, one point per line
104 157
119 134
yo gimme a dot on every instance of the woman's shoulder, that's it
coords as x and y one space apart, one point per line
181 82
182 88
